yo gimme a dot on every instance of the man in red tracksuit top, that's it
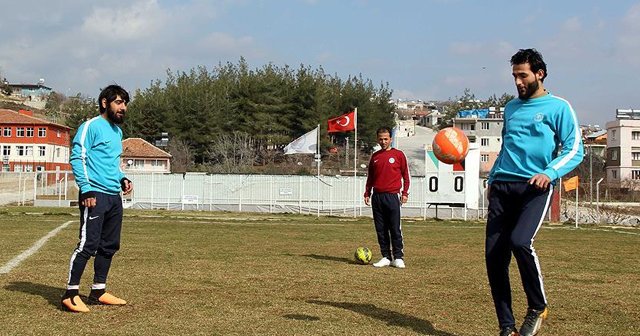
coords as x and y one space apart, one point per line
388 175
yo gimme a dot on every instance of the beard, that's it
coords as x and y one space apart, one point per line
529 90
114 117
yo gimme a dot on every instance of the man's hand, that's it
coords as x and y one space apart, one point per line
366 200
540 181
404 199
88 202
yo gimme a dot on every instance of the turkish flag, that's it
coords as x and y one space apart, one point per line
343 123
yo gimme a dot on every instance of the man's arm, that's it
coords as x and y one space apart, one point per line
80 150
369 184
406 179
570 136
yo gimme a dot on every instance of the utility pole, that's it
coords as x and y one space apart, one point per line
590 175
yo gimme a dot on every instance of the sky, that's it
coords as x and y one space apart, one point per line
423 49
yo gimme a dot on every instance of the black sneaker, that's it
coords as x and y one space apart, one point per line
533 321
509 331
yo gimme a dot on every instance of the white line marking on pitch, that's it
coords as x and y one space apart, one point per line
33 249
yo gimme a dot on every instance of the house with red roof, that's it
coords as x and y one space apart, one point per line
28 143
139 155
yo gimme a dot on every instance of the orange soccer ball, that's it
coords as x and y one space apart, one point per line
450 145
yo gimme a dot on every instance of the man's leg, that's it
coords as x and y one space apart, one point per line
535 205
497 250
109 240
392 205
91 220
109 245
382 232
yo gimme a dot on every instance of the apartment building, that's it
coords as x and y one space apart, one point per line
32 144
623 149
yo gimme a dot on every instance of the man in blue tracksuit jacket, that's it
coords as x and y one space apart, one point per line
95 161
541 142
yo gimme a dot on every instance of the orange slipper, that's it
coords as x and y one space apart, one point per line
108 299
75 304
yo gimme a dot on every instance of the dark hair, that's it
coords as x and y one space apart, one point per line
384 129
533 57
110 93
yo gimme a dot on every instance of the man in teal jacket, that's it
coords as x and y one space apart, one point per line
95 161
541 142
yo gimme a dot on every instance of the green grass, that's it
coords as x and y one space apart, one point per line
205 273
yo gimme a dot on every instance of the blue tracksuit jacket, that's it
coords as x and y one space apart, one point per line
95 156
533 131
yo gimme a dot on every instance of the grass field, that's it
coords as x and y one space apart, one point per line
205 273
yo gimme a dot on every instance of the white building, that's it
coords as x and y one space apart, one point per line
623 148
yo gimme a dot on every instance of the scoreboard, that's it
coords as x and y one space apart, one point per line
453 185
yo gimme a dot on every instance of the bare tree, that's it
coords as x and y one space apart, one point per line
181 155
233 152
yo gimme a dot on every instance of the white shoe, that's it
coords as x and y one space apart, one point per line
383 262
399 263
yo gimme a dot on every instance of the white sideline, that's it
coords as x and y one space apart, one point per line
6 268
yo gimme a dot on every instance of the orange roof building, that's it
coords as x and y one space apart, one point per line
139 155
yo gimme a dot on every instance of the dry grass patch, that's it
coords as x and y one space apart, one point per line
201 273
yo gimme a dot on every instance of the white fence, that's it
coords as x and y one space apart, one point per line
431 196
53 188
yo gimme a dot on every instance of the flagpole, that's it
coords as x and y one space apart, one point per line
318 162
355 161
577 187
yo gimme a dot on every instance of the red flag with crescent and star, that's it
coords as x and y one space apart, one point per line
343 123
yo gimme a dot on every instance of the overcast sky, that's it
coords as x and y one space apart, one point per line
424 49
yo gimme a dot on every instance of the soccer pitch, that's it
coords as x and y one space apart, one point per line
208 273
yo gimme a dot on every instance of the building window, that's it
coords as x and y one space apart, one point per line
468 127
138 164
42 132
42 151
6 131
30 132
58 133
613 134
17 167
484 157
635 174
28 168
635 156
6 150
5 167
484 142
39 168
485 125
57 152
20 150
160 163
635 135
614 173
29 150
20 132
614 154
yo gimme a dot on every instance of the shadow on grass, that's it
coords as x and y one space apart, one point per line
302 317
391 317
51 294
330 258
